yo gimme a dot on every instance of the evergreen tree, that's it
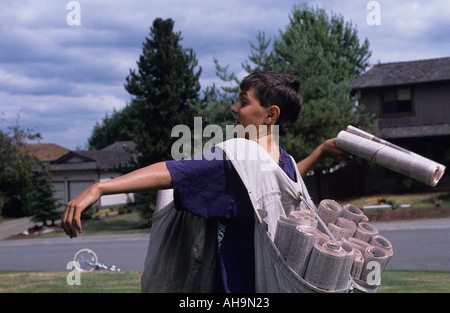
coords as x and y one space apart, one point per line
325 55
162 88
261 56
216 103
43 207
165 92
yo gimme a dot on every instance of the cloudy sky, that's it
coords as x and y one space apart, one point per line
59 78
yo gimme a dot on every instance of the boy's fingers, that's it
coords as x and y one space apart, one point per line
63 221
68 218
77 221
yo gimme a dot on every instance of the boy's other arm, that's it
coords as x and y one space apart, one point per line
153 177
326 149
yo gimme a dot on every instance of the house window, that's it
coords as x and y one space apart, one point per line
397 101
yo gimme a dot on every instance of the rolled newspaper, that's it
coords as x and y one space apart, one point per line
325 265
384 153
302 213
383 242
365 231
284 233
323 238
328 260
328 211
358 244
358 264
343 228
302 244
353 213
304 217
376 255
344 277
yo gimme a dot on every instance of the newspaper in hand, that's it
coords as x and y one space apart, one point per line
384 153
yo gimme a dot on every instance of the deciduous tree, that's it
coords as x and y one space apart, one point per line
16 172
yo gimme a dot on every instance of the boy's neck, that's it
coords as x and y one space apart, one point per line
270 144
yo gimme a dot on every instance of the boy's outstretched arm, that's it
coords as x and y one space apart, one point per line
326 149
153 177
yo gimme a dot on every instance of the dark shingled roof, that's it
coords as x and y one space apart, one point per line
112 157
401 73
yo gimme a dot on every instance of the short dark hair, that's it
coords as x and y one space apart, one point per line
279 89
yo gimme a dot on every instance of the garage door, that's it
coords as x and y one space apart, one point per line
77 187
59 194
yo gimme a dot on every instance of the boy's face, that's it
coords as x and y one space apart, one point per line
248 111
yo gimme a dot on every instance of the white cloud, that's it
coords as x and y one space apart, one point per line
62 79
410 30
67 121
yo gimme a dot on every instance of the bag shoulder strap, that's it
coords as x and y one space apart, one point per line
254 166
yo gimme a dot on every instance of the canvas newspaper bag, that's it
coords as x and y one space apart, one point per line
182 247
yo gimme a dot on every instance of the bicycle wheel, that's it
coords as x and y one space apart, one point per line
87 259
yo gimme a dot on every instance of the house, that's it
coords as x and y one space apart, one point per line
74 171
411 101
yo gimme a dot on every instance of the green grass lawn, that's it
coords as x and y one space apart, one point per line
393 281
407 281
56 282
117 224
416 200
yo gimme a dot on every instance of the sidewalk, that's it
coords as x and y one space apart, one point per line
14 227
430 223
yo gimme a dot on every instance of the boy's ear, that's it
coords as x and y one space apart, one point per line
273 112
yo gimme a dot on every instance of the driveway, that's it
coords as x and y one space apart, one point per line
12 227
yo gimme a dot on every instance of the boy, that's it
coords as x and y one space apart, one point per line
212 188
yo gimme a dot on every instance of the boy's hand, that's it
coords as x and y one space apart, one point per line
329 149
71 217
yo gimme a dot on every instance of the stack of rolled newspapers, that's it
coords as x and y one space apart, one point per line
384 153
328 258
